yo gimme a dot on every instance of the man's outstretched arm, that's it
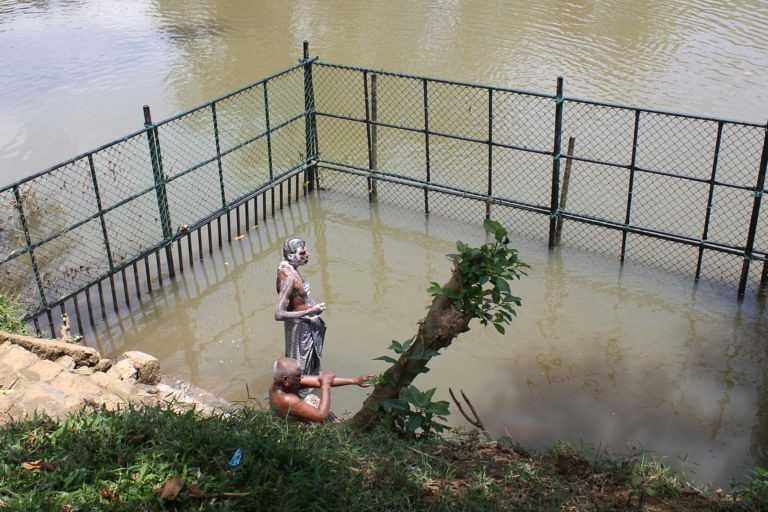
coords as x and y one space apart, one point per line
292 405
313 381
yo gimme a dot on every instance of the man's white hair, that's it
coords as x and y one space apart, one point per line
281 370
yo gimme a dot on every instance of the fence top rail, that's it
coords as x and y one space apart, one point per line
125 138
304 62
544 95
665 112
436 80
237 91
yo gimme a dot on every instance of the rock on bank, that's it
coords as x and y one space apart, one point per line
60 378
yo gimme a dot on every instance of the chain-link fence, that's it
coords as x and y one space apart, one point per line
679 192
87 235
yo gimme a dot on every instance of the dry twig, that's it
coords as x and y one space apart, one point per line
476 419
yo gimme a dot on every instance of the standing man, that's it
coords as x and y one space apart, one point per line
304 329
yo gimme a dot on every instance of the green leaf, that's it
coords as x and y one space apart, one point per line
438 408
434 288
451 294
395 405
414 423
492 226
424 355
396 346
412 395
499 327
426 397
502 284
385 358
389 379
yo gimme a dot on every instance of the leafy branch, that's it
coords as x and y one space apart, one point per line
485 275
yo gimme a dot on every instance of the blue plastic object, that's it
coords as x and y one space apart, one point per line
236 458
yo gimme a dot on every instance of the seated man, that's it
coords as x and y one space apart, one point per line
287 378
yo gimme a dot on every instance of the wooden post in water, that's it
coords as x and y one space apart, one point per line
564 190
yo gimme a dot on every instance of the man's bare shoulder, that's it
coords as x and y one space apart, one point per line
282 402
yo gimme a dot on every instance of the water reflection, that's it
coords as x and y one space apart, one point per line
599 354
92 65
608 356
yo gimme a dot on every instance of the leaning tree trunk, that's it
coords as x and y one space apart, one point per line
436 331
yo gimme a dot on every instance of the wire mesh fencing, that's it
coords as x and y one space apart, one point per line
678 192
89 234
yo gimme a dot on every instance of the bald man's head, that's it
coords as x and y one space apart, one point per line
284 367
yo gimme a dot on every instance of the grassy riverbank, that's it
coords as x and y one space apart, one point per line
152 459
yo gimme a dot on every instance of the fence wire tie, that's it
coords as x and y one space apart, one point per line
559 100
555 214
758 194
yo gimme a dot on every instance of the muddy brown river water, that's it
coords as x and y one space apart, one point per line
606 355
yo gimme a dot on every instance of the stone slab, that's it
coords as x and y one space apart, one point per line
19 358
43 370
124 390
77 386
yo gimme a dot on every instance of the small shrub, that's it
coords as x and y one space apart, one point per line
11 316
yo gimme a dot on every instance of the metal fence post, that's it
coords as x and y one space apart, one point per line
162 197
368 133
759 186
269 134
218 155
426 147
374 135
555 197
310 122
490 155
631 186
710 196
30 250
269 151
100 207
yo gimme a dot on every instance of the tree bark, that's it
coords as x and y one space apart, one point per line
436 331
53 349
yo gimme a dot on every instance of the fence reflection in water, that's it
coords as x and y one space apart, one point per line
671 190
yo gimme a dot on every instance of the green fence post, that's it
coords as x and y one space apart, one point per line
555 197
162 197
426 147
490 155
759 187
218 155
710 197
310 122
374 155
631 185
100 208
31 251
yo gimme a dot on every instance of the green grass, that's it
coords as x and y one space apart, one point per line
102 460
10 316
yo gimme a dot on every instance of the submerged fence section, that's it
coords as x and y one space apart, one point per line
675 191
679 192
102 229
